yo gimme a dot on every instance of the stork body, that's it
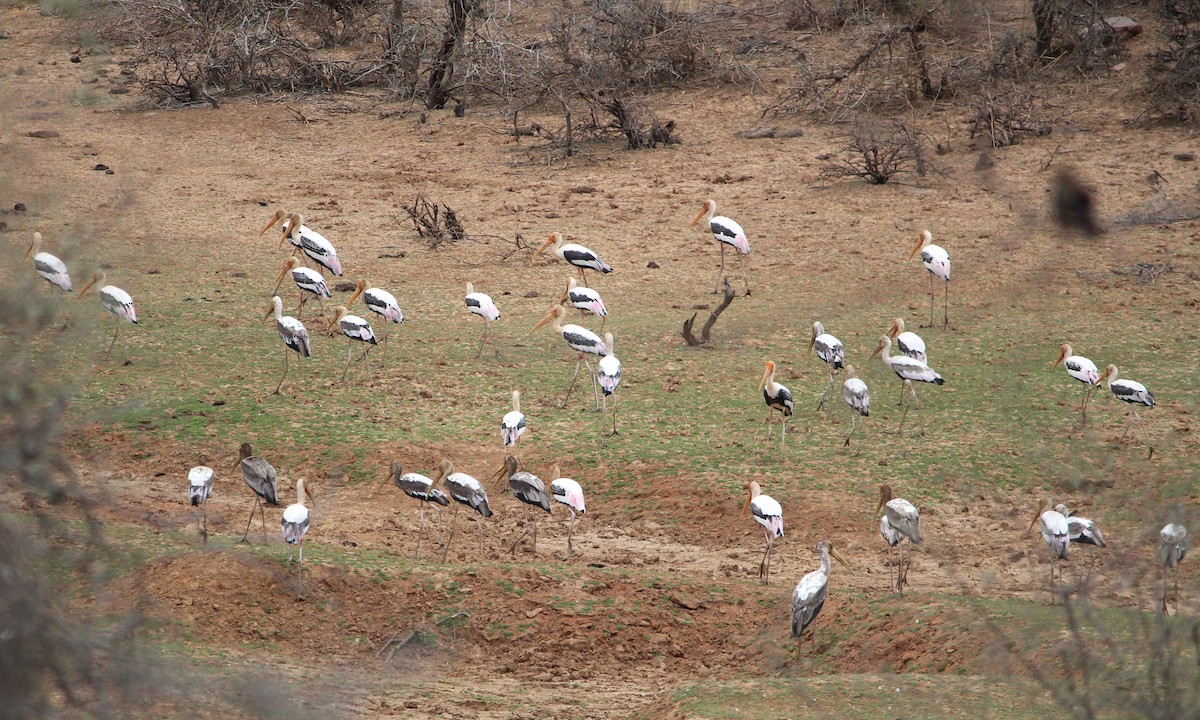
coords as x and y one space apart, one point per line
308 241
585 300
577 255
726 232
356 329
768 513
464 490
420 488
908 369
856 395
937 261
260 477
777 397
200 485
583 341
907 343
382 303
608 375
294 525
567 491
49 267
308 281
481 304
1133 394
531 491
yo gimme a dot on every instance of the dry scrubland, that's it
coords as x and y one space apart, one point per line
971 110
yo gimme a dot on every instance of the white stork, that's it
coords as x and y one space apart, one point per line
809 596
769 513
777 397
260 477
531 491
830 351
481 304
354 328
1172 546
308 241
307 280
512 425
116 301
292 332
465 490
200 485
585 300
420 488
581 340
909 370
856 395
908 343
294 524
900 520
576 255
1081 530
726 232
1131 393
937 261
608 374
1081 369
568 492
381 302
48 266
1055 532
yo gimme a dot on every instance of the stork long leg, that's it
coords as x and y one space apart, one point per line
828 389
900 571
420 532
595 385
246 535
770 416
285 370
745 277
483 341
204 514
853 425
262 510
930 300
535 524
479 523
349 354
946 304
512 550
450 539
764 572
303 299
570 532
574 379
1142 429
783 430
1083 407
614 415
891 568
116 334
439 527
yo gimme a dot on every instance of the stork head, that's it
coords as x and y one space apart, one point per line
851 372
1042 506
826 547
338 313
293 229
885 342
817 329
274 219
925 239
709 208
1063 353
768 374
98 278
752 491
244 452
556 312
885 496
358 290
555 472
896 328
302 492
1110 374
554 240
445 469
276 308
291 264
34 246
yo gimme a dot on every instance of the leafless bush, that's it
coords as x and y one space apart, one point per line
1074 30
1174 68
436 224
1003 117
874 155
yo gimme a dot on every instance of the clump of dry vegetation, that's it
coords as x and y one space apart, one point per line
1174 68
877 155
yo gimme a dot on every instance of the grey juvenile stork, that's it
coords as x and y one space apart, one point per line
900 520
421 488
809 596
1172 546
465 490
830 351
530 490
260 477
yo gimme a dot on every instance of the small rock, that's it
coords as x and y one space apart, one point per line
687 602
43 134
652 265
127 362
100 166
76 59
154 271
985 162
110 171
1184 156
583 189
345 286
19 207
531 294
534 613
757 133
118 91
238 274
218 403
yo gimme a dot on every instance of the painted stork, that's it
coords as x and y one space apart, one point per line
568 492
1131 393
292 332
512 425
585 300
354 328
768 513
200 485
937 261
294 524
481 304
908 369
856 395
809 596
465 490
581 340
777 397
1081 530
908 343
1055 531
260 477
308 241
725 232
1172 546
577 255
307 280
900 520
116 301
420 488
48 266
531 491
829 351
1081 369
608 374
380 302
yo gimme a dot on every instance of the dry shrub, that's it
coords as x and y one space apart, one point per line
876 155
1174 68
1003 116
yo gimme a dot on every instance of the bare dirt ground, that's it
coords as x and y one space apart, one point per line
191 188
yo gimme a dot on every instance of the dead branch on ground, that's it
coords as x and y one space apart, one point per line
706 332
438 224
